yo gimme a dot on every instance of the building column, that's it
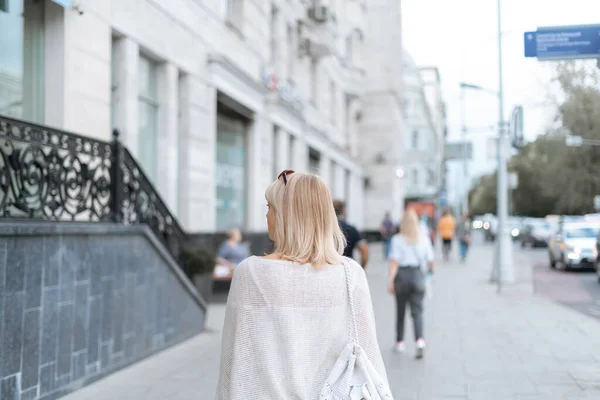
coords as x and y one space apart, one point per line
197 158
259 161
354 202
282 143
183 212
126 96
300 155
325 170
168 135
54 65
339 182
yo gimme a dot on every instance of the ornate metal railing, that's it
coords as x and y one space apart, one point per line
48 174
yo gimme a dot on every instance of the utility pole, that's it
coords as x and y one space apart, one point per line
504 266
463 137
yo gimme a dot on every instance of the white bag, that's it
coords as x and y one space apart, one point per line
353 377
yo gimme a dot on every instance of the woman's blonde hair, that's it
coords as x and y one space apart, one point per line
409 227
306 227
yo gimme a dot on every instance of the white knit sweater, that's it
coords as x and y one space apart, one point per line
285 326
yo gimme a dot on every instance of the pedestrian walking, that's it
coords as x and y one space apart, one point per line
387 231
464 236
353 237
411 261
446 229
291 314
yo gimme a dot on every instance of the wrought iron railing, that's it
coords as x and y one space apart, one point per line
48 174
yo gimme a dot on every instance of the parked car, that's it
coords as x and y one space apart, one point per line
574 246
535 233
515 225
597 266
490 229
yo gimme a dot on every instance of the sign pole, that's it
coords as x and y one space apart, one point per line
504 251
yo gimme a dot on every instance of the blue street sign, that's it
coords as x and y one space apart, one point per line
563 42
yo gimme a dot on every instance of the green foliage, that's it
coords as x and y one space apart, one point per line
482 198
555 178
199 261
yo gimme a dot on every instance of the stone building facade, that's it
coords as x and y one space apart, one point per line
213 97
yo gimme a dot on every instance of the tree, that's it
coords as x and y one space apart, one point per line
482 197
536 168
554 178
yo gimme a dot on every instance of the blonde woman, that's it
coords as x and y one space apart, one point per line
411 259
287 312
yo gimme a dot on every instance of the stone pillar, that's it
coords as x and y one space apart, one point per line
282 143
198 155
168 135
325 169
355 200
339 182
300 155
126 96
54 65
183 184
259 161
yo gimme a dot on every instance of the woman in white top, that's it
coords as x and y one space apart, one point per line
286 320
411 259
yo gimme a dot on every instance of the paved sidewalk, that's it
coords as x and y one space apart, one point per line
481 346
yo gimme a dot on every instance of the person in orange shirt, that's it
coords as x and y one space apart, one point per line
446 229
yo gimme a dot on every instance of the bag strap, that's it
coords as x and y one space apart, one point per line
351 312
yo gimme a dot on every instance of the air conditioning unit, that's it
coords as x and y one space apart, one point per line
318 13
307 47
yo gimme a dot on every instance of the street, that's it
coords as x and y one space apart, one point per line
481 345
579 290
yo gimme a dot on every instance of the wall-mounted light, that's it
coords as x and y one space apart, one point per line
399 172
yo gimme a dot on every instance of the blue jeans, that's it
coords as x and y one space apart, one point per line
464 247
386 247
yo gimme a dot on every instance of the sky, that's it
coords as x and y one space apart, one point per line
460 38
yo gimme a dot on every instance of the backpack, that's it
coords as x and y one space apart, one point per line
353 377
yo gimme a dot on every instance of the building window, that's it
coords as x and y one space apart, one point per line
273 32
332 103
430 177
414 142
291 155
291 56
276 138
314 80
347 185
231 171
349 49
22 59
355 44
314 159
332 178
235 13
148 116
114 83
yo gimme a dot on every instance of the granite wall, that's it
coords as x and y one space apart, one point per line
79 301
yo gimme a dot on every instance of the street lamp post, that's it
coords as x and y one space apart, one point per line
504 265
463 136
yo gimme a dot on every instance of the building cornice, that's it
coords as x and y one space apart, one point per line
236 83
